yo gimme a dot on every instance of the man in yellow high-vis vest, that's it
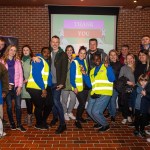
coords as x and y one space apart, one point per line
39 88
101 80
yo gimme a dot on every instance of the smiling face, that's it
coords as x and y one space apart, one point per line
46 54
113 57
130 60
82 54
143 58
12 51
97 60
69 51
55 42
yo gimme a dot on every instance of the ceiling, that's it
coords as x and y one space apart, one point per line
97 3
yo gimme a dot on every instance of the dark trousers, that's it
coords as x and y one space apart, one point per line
43 106
140 120
10 96
125 98
82 98
29 105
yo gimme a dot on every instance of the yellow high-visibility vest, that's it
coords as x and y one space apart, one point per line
45 73
78 77
100 83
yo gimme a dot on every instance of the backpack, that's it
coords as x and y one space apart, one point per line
121 85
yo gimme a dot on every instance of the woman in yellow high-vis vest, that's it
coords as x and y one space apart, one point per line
101 80
78 86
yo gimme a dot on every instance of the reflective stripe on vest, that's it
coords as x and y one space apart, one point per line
45 73
100 83
78 77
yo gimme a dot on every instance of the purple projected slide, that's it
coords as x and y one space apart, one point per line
83 24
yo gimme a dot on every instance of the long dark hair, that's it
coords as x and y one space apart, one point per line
31 52
70 46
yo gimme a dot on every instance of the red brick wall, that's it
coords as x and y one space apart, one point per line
31 26
132 24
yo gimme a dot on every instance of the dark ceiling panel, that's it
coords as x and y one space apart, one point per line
93 3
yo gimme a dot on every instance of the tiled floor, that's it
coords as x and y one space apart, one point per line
119 137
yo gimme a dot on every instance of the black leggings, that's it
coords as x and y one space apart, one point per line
140 120
82 98
43 106
29 105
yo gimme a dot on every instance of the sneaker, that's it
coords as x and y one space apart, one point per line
71 116
136 133
46 126
97 126
143 134
112 119
41 127
78 124
66 117
147 132
104 128
21 128
129 119
2 134
124 121
13 126
148 139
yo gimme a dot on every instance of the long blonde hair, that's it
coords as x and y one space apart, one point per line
133 66
6 54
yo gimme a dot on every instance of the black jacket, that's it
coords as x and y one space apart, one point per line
61 65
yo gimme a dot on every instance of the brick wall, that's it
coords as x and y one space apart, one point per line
31 26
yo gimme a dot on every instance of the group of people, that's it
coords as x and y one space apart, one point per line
46 81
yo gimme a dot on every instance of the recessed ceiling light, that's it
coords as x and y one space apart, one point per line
81 0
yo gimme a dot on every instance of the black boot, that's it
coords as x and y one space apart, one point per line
53 122
78 124
61 129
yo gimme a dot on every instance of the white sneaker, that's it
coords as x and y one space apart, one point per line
3 134
71 116
147 132
129 119
148 139
124 121
66 117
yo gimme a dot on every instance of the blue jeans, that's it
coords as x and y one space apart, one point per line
12 95
112 103
96 107
57 108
